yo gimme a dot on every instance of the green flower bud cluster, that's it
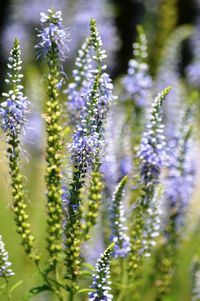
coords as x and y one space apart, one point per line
140 49
13 112
19 205
72 251
96 43
53 158
165 263
136 242
95 195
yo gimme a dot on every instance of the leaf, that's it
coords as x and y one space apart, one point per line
89 266
86 290
86 273
16 285
3 286
38 289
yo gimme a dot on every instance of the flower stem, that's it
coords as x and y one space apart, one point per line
8 291
71 296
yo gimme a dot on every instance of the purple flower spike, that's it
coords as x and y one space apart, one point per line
152 152
14 108
53 34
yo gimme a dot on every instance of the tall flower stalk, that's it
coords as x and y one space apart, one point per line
119 236
180 173
53 44
152 157
76 90
137 87
13 112
87 143
138 83
85 149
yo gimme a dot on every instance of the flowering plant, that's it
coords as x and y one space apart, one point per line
116 191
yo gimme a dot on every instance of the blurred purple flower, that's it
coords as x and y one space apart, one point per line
53 34
152 151
34 131
181 174
193 74
102 12
126 165
137 82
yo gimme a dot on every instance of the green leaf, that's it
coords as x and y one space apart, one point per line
86 273
89 266
38 289
16 285
86 290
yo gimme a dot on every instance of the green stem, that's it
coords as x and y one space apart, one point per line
71 296
7 291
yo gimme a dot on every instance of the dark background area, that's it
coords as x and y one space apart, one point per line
129 14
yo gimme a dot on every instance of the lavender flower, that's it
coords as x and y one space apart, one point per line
137 83
102 11
193 74
13 110
97 91
34 129
5 271
125 165
118 157
101 282
75 91
152 152
88 63
119 230
53 34
86 143
86 140
168 75
181 173
153 157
